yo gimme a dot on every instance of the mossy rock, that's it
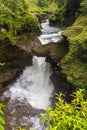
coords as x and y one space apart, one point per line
74 64
55 51
72 31
53 20
82 21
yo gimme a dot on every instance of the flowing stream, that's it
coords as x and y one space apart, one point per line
33 91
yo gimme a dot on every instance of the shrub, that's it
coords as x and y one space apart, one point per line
67 116
16 19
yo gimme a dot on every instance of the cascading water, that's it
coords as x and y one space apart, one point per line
49 34
33 88
34 85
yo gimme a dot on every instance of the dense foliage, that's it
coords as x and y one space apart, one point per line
16 20
67 116
74 64
83 8
66 11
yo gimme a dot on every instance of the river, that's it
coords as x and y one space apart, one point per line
33 91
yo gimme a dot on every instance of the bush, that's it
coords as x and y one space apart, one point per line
16 19
67 116
42 3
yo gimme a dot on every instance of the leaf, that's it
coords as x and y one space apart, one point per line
1 127
2 121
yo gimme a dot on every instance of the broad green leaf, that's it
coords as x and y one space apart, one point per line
2 121
1 127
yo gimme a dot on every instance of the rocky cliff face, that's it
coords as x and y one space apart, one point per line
14 58
74 64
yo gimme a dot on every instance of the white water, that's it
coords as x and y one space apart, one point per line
49 34
34 86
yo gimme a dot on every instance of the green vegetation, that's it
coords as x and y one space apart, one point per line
2 121
20 128
19 18
16 20
71 116
66 11
67 116
45 4
83 8
74 64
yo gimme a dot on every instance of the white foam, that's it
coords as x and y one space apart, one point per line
36 123
46 38
34 85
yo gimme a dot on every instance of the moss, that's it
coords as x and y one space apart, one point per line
74 64
73 31
81 21
53 17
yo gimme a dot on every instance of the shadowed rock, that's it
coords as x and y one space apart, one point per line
14 58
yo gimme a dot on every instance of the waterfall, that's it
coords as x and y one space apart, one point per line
33 87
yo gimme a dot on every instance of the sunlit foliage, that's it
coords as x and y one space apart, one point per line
16 20
67 116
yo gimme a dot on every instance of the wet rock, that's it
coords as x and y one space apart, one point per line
54 51
42 50
33 41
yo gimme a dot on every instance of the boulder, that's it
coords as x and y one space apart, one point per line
55 51
27 45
